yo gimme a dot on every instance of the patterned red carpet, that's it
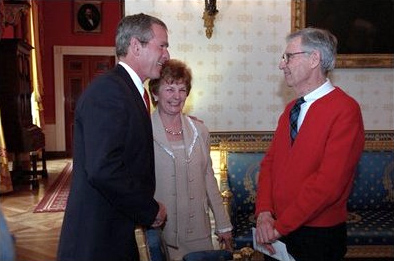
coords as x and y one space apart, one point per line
55 198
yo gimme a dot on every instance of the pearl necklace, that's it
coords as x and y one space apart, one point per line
173 132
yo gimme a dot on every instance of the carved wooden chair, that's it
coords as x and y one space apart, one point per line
151 246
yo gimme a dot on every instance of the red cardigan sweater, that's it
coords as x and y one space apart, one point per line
308 184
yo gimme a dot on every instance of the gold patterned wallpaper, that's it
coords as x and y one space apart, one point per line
237 85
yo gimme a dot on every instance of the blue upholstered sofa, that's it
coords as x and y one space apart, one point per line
371 204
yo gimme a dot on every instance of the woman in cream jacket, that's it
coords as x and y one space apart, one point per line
185 181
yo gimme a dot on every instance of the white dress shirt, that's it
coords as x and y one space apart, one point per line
136 79
310 98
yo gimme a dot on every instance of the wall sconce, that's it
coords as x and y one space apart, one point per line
209 16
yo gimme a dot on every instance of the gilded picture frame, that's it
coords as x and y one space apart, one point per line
299 13
87 16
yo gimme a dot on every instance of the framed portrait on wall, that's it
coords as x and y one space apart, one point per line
87 16
364 29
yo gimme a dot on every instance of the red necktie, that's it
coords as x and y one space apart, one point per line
147 102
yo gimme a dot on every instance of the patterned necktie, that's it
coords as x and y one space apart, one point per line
295 111
147 102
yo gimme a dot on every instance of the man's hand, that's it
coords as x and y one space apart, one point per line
266 234
161 216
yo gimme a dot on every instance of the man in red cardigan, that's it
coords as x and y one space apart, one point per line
305 182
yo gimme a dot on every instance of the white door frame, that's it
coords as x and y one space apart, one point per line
58 54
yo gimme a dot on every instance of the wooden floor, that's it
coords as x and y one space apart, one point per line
36 234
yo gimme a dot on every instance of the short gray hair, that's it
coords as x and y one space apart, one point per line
138 26
321 40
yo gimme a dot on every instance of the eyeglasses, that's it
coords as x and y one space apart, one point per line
286 56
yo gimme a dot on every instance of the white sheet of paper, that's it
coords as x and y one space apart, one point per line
280 249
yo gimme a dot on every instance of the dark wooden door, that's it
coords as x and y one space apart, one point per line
79 70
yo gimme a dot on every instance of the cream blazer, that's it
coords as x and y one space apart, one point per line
191 222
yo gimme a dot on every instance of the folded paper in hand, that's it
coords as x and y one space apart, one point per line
280 249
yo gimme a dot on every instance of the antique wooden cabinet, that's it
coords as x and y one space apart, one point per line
20 134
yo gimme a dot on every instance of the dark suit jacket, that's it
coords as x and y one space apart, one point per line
113 178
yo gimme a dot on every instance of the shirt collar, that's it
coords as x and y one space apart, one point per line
324 89
136 79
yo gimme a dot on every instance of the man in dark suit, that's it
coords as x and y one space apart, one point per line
113 179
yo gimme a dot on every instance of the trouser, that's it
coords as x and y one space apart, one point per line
317 243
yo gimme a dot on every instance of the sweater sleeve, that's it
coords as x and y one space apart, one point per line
264 188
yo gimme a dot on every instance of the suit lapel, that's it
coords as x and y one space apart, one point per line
124 78
122 73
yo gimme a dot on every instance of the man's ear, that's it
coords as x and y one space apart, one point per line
135 46
314 59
